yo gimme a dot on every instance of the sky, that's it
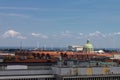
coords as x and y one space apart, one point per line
59 23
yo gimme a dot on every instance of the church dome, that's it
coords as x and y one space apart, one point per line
88 47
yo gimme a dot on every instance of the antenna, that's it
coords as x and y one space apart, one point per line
38 45
21 45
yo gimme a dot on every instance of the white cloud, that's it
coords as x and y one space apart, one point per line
66 34
39 35
117 33
13 34
96 34
80 34
21 37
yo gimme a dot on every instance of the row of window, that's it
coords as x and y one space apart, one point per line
87 78
94 78
33 79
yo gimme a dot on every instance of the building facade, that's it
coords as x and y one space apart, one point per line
59 72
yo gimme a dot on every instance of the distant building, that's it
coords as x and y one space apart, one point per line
88 47
75 48
116 56
99 51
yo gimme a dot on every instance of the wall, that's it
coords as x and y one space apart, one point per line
86 71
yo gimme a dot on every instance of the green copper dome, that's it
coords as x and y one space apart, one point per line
88 47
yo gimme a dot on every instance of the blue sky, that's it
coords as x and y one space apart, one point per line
59 23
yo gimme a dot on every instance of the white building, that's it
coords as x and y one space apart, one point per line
116 56
75 48
99 51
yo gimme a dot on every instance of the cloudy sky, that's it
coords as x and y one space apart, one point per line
59 23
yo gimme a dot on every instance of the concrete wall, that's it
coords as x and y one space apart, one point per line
24 72
86 71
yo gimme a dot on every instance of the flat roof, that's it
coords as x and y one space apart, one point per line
27 63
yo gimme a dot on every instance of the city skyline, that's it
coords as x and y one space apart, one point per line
60 23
